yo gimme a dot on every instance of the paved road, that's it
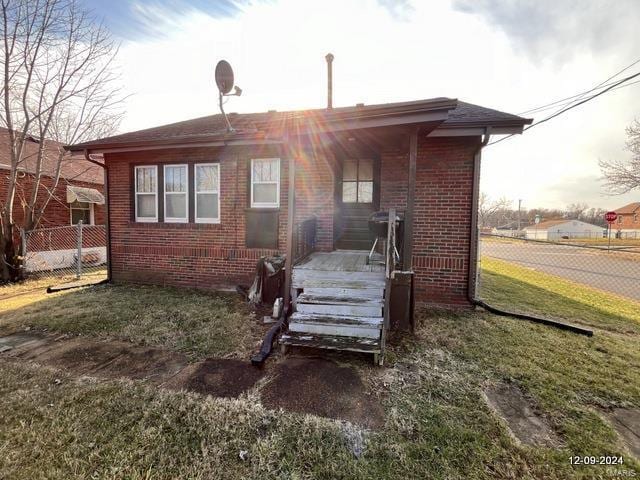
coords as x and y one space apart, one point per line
615 272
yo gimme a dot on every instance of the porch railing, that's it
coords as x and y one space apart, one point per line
304 238
390 262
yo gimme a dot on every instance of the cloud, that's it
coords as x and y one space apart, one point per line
558 30
133 19
399 9
589 188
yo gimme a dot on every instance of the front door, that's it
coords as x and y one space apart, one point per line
358 197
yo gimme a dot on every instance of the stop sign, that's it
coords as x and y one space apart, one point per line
610 217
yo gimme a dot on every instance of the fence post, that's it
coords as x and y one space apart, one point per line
79 260
23 253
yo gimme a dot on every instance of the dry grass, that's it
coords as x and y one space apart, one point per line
508 285
198 324
437 425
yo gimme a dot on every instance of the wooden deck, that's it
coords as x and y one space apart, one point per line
341 261
339 301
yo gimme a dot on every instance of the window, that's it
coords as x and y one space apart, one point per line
265 182
357 181
146 179
207 192
619 219
176 195
81 211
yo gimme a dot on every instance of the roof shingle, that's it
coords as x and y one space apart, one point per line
272 124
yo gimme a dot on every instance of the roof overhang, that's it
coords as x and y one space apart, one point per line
429 113
471 129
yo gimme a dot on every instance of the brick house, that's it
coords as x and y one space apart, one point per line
193 204
628 222
78 194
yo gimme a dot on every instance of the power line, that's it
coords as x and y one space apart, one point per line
573 105
600 85
564 101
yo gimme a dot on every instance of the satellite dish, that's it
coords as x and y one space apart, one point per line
224 77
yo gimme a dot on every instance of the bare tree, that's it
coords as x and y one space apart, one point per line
576 210
492 212
59 82
622 176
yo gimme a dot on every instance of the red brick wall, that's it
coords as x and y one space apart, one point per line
444 180
628 221
57 212
208 256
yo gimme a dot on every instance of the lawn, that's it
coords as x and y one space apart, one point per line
437 424
195 323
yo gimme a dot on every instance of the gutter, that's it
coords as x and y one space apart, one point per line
103 164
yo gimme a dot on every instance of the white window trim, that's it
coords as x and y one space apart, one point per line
196 192
155 194
168 219
276 204
91 215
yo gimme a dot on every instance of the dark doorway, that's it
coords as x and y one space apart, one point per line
357 192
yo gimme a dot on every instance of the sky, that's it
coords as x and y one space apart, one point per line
508 55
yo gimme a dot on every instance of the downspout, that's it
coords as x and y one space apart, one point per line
103 164
473 236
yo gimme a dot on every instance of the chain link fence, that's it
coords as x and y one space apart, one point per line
65 254
539 269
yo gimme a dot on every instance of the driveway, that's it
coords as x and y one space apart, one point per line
614 272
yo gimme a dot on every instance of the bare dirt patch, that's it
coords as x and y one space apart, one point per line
521 416
626 422
219 377
321 387
21 340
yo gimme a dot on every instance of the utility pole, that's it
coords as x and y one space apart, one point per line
519 205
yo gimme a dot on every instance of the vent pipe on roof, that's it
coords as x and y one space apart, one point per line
329 59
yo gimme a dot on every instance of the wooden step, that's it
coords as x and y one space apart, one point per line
353 344
336 325
352 321
351 299
332 279
352 305
358 292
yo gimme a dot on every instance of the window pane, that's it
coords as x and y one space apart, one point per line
79 214
349 192
176 206
365 192
206 178
77 204
146 206
365 171
350 170
175 179
207 205
265 193
146 179
265 170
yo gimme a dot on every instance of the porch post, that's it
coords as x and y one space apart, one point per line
407 257
288 266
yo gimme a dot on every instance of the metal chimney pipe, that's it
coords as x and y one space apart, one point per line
329 59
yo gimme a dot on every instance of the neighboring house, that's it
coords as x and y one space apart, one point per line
78 194
563 229
192 204
628 223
